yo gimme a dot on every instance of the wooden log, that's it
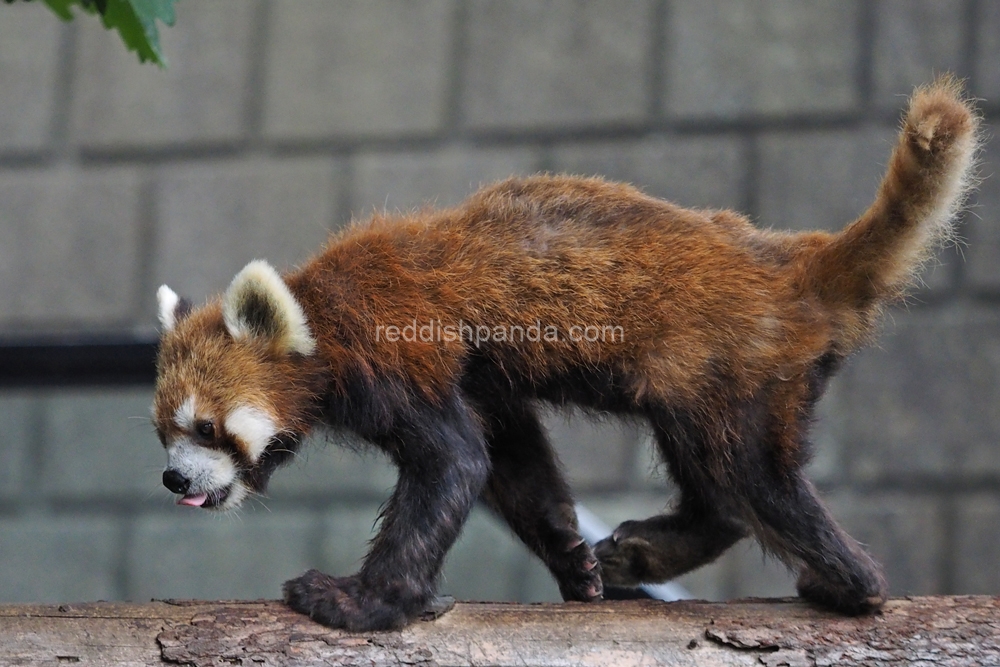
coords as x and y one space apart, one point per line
925 631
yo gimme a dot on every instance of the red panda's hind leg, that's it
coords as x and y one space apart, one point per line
527 489
836 571
697 532
783 509
664 547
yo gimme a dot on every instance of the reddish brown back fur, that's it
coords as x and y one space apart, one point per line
565 252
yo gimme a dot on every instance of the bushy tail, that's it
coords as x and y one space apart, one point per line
875 258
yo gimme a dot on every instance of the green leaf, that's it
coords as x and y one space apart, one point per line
61 8
135 21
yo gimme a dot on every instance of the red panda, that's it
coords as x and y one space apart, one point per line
433 335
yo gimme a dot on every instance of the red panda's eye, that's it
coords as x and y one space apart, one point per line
205 429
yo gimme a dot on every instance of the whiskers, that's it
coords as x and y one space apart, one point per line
135 421
158 495
285 450
234 515
257 499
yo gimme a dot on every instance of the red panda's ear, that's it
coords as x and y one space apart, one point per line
258 304
173 308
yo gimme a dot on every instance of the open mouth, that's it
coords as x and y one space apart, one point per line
209 500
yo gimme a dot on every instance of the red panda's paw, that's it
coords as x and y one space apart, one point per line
863 593
624 558
343 602
579 574
328 600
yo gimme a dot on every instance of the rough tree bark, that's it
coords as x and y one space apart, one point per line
926 631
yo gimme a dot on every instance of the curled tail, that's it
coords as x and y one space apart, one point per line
876 257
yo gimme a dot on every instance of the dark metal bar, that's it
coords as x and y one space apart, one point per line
111 360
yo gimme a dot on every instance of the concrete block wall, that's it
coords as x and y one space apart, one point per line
279 120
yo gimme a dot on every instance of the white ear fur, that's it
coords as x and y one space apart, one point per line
258 304
168 301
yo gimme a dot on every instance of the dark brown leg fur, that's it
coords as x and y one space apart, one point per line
443 465
789 518
663 547
750 476
837 572
527 489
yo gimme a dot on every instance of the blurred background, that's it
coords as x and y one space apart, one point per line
279 120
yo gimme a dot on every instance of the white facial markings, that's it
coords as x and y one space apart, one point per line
211 471
253 427
185 415
237 494
208 470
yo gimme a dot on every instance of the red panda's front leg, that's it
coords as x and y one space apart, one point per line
443 465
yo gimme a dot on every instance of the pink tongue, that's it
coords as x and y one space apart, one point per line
195 500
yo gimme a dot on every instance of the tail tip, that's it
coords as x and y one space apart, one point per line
941 116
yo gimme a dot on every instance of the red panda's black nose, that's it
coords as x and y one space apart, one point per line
175 481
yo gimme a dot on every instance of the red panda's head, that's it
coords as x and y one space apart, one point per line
230 403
